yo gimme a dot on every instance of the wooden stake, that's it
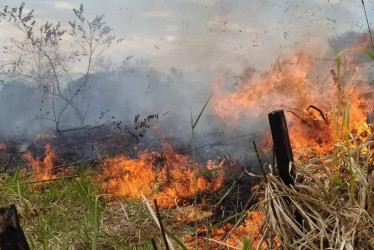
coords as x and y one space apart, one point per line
282 146
11 233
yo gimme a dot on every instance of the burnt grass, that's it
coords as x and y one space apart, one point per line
61 210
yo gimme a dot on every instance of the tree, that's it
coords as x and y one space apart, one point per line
46 56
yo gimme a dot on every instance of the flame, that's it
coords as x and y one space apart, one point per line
308 104
43 169
167 176
3 146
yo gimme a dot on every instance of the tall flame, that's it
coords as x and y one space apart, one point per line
308 104
43 168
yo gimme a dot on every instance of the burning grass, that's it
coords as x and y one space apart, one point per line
167 177
307 100
330 207
102 204
333 199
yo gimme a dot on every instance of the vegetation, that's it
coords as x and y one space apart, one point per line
331 205
45 59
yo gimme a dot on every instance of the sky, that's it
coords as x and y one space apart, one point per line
209 35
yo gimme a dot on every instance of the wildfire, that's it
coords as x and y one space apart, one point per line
252 228
43 168
3 146
167 176
308 104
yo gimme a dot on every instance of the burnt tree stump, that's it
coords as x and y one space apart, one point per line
282 146
11 233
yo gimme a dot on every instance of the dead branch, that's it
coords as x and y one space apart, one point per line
324 117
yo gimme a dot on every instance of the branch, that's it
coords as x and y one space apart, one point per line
320 112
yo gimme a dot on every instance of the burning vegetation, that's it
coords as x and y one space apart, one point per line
99 181
323 124
168 177
42 169
311 105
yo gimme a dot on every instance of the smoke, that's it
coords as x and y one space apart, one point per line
118 94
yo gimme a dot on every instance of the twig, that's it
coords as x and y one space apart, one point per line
88 127
320 112
367 21
259 161
154 244
56 179
76 162
154 217
161 225
223 244
9 161
218 143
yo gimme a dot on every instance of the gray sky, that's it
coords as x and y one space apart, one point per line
210 35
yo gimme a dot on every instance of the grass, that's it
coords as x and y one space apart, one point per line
71 214
74 214
193 127
333 195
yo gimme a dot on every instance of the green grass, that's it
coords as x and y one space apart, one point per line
72 214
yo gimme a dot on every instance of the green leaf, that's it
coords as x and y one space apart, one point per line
201 112
247 244
336 181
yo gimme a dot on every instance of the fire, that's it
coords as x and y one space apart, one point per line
252 228
3 146
233 236
167 176
43 169
308 103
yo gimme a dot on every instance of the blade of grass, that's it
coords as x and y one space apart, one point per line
193 126
367 21
369 53
201 112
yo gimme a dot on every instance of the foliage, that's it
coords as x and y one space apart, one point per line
46 58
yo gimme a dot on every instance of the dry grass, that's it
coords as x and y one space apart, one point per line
332 199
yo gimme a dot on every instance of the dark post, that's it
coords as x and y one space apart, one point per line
11 234
282 146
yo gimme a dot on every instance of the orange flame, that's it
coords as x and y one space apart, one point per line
43 169
308 104
167 177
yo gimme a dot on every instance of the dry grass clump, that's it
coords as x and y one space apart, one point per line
331 205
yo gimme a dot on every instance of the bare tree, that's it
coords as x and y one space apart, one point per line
46 56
